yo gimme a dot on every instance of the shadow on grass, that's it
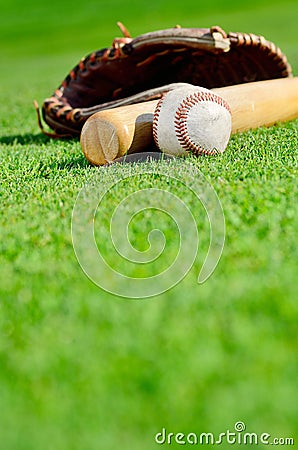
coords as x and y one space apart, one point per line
76 161
68 161
24 139
29 138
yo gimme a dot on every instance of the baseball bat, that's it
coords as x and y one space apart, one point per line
112 133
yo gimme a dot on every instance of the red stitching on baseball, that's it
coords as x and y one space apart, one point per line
181 117
155 119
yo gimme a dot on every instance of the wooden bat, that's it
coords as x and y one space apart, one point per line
112 133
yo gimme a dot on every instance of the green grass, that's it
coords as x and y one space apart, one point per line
82 369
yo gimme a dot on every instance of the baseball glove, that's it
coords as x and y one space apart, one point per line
143 68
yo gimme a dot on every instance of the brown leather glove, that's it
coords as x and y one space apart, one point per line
143 68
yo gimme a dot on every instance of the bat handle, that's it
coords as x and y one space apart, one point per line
112 133
262 103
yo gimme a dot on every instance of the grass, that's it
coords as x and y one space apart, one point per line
83 369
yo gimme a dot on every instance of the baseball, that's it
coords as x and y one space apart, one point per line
192 119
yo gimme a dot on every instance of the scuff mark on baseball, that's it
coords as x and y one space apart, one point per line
192 119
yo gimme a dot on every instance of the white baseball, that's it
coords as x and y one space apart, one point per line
192 119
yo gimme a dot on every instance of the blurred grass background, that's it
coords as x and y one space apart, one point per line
70 29
81 369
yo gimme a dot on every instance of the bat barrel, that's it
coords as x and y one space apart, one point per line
112 133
